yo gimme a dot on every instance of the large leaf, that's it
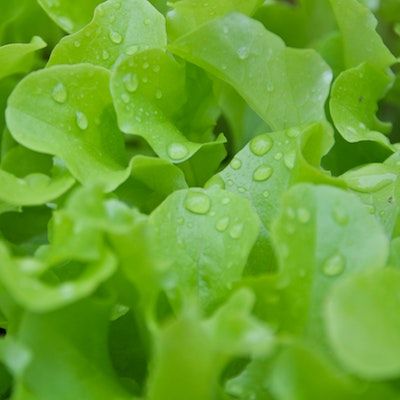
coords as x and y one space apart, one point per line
269 76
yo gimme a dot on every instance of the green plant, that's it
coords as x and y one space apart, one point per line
199 200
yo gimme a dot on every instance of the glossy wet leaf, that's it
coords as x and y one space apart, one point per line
118 27
70 15
319 239
186 15
18 57
67 111
261 69
363 323
353 104
226 229
361 42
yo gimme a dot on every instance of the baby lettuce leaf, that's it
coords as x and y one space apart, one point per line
361 42
70 15
193 350
353 103
67 111
186 15
269 76
363 323
118 27
203 262
142 86
18 58
319 242
74 341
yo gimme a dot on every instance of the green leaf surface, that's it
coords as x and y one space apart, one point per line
363 323
269 76
353 104
319 242
70 15
361 42
67 111
205 262
118 27
17 58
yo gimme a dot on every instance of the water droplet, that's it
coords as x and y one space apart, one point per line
131 82
105 55
156 68
222 224
236 231
303 215
125 98
145 79
225 201
293 132
197 202
241 189
181 220
334 265
266 193
278 156
159 94
77 43
81 120
67 290
235 164
262 173
145 65
59 93
243 52
115 37
261 145
177 151
216 180
340 215
131 50
289 159
147 21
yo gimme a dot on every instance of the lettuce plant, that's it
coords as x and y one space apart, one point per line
199 200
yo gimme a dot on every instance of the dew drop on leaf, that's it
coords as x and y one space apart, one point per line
105 55
59 93
303 215
216 180
293 132
262 173
197 202
278 156
131 50
81 120
289 159
340 215
235 164
261 145
236 231
222 224
115 37
177 151
243 52
131 82
159 94
334 265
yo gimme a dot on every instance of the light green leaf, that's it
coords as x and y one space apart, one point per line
203 262
361 42
267 167
193 351
144 88
67 111
18 58
321 235
70 15
269 76
353 104
187 15
363 323
118 27
74 342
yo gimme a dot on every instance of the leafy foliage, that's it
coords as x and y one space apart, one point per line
199 200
